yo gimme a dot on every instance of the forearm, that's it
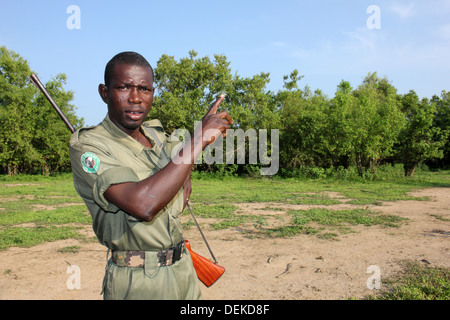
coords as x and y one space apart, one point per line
146 198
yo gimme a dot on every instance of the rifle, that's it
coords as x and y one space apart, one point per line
35 80
207 272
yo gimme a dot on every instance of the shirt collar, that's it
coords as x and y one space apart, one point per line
124 138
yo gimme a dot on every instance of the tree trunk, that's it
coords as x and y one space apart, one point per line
410 168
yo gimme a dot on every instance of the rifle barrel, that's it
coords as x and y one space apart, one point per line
35 80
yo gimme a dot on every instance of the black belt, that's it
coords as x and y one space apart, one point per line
136 259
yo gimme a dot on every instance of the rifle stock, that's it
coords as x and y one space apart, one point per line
207 272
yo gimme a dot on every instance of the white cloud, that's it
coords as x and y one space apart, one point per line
363 38
444 31
403 11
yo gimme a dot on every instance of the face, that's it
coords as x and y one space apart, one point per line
129 96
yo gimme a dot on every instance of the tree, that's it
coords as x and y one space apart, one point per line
442 121
357 127
250 105
378 121
31 136
342 125
304 125
187 88
16 151
420 140
50 135
293 78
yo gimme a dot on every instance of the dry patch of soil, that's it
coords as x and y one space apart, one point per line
255 268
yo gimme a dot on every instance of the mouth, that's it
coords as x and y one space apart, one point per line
134 115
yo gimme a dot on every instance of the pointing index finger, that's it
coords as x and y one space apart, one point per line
215 105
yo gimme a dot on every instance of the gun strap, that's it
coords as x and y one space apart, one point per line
201 232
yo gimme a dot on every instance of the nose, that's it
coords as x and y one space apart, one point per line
135 96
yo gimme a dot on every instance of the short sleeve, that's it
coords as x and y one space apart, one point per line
108 178
95 169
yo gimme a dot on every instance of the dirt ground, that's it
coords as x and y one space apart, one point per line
255 268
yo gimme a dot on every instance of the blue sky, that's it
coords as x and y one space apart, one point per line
327 41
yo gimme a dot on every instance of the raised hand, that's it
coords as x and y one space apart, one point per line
215 124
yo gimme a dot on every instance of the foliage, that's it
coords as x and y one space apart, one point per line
378 122
420 140
442 121
31 136
188 87
303 138
363 127
358 128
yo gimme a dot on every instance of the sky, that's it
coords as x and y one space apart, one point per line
327 41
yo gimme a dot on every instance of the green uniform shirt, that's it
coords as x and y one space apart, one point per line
104 155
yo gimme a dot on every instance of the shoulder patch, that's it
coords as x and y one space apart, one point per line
90 162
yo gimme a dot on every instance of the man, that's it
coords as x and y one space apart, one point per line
134 190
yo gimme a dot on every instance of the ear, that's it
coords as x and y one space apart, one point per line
103 91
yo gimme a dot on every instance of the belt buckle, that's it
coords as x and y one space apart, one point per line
169 258
165 257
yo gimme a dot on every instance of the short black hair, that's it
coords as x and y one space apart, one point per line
126 57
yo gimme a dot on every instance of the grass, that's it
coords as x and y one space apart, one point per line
331 223
31 236
416 282
62 215
70 249
307 191
38 209
52 205
217 198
